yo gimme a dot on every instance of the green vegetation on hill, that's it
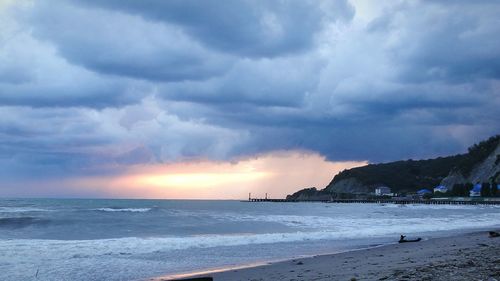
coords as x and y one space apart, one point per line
410 175
402 176
310 193
477 153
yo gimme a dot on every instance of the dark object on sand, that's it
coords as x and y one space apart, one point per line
196 279
403 240
494 234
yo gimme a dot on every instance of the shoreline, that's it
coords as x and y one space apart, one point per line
213 271
465 256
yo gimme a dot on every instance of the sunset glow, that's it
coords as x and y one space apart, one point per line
193 180
276 174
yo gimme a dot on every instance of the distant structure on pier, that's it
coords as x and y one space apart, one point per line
383 190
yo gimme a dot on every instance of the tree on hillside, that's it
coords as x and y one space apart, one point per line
467 188
477 153
494 189
485 189
458 189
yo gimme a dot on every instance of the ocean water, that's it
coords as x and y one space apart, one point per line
63 239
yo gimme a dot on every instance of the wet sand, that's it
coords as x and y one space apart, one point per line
472 256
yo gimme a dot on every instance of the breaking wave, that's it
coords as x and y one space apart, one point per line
132 210
21 210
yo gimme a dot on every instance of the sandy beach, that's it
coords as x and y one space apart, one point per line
471 256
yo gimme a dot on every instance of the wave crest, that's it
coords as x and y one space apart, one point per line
133 210
21 210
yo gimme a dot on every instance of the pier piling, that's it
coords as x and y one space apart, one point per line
383 201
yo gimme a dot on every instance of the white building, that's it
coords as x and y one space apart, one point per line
476 190
382 190
440 188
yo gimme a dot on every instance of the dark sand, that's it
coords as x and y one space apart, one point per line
473 256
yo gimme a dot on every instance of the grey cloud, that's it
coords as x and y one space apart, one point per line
144 82
248 28
367 81
31 73
70 141
447 41
265 82
96 94
125 45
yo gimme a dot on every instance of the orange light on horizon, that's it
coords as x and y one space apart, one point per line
197 180
277 174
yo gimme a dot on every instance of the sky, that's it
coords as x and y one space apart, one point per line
218 99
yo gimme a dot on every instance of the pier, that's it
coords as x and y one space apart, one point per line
384 201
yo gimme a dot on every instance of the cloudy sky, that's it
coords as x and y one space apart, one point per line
215 99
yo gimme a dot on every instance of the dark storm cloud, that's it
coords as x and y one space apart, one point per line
32 74
252 82
99 95
124 45
247 28
452 42
94 86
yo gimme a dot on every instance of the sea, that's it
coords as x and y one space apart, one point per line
90 239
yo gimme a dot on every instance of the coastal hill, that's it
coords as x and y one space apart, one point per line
480 164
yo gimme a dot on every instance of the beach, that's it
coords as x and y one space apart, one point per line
469 256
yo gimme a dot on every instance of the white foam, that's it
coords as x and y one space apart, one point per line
371 221
22 210
343 229
372 215
133 210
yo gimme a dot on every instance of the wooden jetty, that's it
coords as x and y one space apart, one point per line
385 201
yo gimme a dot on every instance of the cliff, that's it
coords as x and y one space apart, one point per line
480 164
